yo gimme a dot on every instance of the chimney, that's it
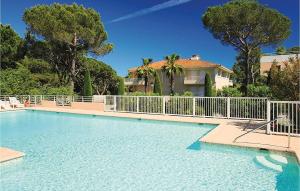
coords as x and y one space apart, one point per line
195 57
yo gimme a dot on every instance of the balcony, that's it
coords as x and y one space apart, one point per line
133 81
191 80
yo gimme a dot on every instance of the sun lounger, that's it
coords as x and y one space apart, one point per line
5 105
15 103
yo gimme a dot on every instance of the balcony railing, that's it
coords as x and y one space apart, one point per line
134 81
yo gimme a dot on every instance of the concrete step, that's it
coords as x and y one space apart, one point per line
268 164
278 159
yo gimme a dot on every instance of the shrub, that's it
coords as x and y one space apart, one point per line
121 88
157 85
285 84
142 94
188 94
229 92
16 81
258 91
63 90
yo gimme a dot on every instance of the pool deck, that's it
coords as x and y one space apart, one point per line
225 133
9 154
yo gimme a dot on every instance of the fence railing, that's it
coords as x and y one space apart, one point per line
215 107
59 100
289 117
220 107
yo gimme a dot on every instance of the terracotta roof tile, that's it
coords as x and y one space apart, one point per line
185 63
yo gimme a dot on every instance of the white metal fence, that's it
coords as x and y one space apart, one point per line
288 115
220 107
216 107
60 100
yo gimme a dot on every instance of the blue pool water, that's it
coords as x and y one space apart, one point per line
77 152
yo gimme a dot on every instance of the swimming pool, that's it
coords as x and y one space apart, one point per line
84 152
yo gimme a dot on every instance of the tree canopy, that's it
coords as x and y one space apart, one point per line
171 68
145 72
246 25
72 31
104 78
10 42
285 84
54 52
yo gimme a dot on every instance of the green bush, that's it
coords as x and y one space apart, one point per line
138 93
16 81
188 94
208 86
121 86
229 92
258 91
157 85
58 91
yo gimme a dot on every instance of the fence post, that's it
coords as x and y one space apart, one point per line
115 103
164 105
194 106
35 101
268 116
228 107
137 104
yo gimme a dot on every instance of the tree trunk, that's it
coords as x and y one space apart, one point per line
171 85
145 85
72 74
73 66
247 78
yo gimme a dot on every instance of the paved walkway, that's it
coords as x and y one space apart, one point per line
227 133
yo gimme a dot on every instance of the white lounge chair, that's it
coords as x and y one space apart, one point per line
15 103
4 105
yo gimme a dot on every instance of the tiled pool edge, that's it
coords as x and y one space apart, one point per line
7 154
219 135
223 123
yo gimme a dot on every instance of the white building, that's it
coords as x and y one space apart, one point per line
192 79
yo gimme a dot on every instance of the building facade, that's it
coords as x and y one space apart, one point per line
192 79
279 60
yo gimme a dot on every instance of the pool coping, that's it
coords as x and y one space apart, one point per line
224 133
7 154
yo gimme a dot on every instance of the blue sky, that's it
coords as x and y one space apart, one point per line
176 29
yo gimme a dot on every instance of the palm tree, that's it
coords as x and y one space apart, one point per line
145 71
171 69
